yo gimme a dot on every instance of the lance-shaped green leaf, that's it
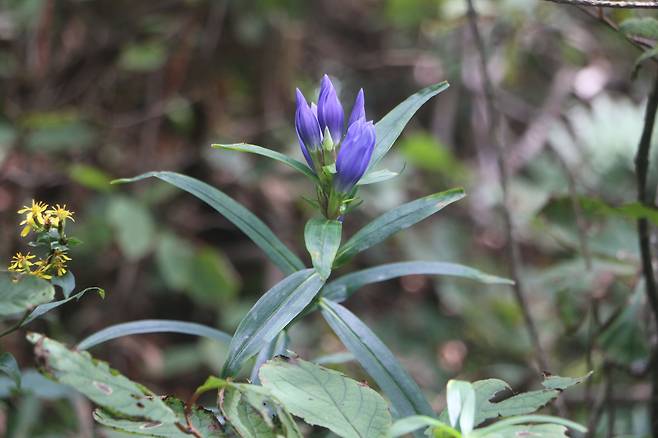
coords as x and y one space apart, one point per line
234 212
343 287
322 238
202 420
395 220
326 398
275 347
42 309
378 361
97 381
389 128
271 313
23 292
269 153
152 326
377 176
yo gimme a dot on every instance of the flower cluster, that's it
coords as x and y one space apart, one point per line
49 225
339 154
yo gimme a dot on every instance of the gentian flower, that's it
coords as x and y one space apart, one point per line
354 155
307 127
354 149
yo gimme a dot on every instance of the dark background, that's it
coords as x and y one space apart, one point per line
96 90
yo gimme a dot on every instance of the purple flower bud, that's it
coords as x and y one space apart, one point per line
358 110
330 111
354 155
307 127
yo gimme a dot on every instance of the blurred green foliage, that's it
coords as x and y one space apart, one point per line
97 90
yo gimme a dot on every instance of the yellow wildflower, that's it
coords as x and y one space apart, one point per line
42 270
58 262
21 262
33 217
58 214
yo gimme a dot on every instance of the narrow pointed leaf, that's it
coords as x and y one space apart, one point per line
327 398
342 288
377 176
275 347
271 314
152 326
389 128
378 361
395 220
235 212
42 309
322 238
269 153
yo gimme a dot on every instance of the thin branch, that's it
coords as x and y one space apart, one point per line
16 326
512 245
644 233
625 4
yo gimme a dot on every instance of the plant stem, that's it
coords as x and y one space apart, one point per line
644 233
512 246
17 325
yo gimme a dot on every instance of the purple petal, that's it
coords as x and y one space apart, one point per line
307 127
330 110
358 110
354 155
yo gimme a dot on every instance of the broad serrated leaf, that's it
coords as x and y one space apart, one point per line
322 238
562 383
255 414
96 380
269 153
524 403
152 326
343 287
235 212
395 220
203 421
271 314
389 128
326 398
378 361
23 292
9 367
